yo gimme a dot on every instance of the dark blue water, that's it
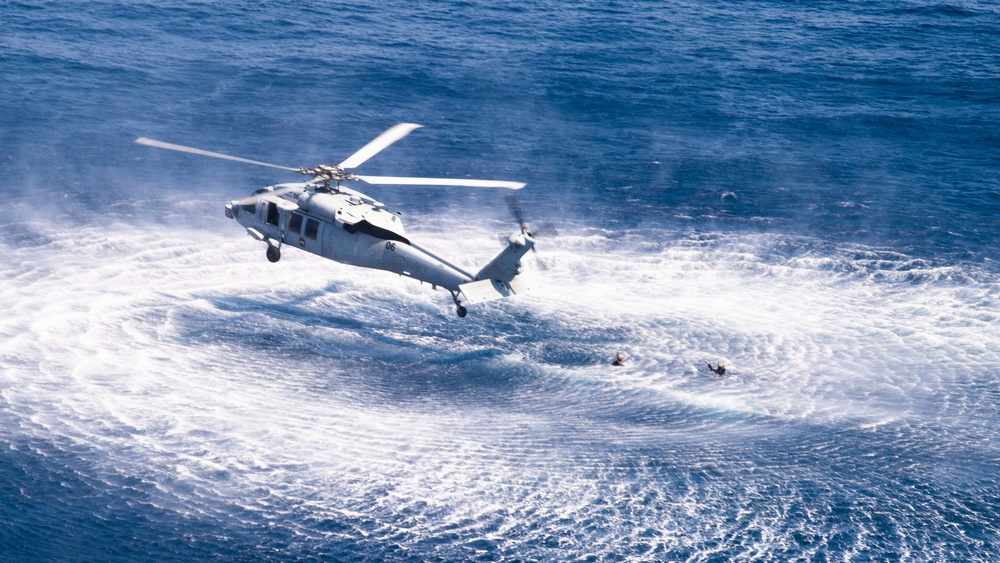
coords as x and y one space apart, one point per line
806 191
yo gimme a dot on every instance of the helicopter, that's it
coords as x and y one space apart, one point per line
324 217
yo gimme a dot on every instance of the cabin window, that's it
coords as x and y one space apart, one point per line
295 223
312 227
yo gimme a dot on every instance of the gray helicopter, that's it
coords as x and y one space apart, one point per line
323 217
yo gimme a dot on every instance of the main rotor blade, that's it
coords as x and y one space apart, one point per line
390 136
399 181
192 150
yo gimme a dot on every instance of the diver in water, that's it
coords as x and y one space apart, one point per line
718 371
620 360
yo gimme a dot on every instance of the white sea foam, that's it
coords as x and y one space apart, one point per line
189 361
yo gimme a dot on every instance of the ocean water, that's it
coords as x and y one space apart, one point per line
807 192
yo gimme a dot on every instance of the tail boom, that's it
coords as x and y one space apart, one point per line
499 278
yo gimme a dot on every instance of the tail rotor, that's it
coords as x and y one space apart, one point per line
514 205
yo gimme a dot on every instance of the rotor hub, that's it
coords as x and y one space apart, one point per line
327 174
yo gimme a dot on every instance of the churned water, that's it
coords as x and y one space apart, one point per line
806 192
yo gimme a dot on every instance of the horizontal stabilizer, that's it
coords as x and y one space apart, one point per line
489 290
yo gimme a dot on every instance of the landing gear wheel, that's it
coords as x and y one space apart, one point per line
273 254
462 311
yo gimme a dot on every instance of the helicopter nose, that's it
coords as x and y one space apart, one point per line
229 211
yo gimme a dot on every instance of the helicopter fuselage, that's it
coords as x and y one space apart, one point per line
349 227
325 218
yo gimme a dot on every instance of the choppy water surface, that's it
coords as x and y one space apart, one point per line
806 193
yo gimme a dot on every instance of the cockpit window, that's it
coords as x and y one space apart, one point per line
250 208
295 223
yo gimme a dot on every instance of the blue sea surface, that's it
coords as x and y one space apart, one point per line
808 192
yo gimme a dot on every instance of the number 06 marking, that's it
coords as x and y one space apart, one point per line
389 245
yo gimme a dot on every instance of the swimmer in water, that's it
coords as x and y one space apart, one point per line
718 371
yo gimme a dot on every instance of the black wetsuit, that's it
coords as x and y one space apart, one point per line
617 362
720 371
